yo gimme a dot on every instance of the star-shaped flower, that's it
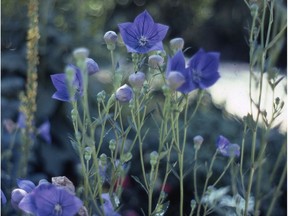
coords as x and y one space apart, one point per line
61 85
143 35
48 199
203 68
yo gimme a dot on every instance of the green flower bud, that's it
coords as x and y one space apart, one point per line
193 205
103 159
126 157
112 144
153 158
74 114
87 153
254 10
80 54
101 96
78 136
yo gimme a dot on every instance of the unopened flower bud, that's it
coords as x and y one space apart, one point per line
166 90
103 160
198 140
92 66
16 196
43 181
193 205
74 114
112 144
137 79
153 158
277 100
78 136
87 153
70 73
175 79
126 157
81 53
101 96
124 93
254 9
110 38
177 44
155 61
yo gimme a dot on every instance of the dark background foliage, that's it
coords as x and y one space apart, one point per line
219 25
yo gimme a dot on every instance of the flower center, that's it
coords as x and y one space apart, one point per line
196 76
58 209
142 41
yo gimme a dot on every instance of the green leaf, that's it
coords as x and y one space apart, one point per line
139 182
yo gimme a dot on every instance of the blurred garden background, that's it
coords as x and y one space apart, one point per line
215 25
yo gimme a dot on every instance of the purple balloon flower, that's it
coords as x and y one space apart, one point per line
203 67
124 93
44 131
201 73
48 199
143 35
60 83
107 206
177 64
226 148
3 198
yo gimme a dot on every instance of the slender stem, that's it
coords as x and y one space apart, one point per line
277 191
209 174
224 171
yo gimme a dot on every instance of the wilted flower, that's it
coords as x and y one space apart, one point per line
213 196
177 44
48 199
124 93
60 82
237 203
201 72
92 66
143 35
155 61
226 148
64 182
137 79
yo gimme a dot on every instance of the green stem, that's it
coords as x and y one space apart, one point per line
224 171
277 191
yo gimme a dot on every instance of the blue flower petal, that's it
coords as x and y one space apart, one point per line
143 35
26 185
